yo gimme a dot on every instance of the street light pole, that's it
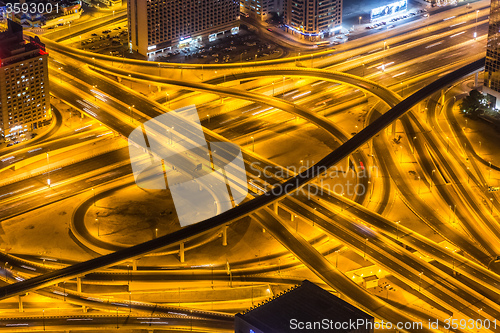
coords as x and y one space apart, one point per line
48 170
130 111
364 252
283 90
475 28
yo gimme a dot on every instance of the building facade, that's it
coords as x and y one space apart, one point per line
313 19
158 25
492 67
24 83
261 9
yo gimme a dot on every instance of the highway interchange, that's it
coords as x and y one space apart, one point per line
459 281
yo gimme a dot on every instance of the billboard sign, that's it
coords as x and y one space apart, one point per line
390 9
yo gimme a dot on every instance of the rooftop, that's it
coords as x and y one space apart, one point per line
306 303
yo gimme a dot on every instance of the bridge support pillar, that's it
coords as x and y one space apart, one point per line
394 128
224 236
476 79
347 165
134 264
21 308
84 309
79 284
275 207
292 217
181 252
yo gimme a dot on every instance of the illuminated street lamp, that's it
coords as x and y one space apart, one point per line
475 28
48 170
359 20
130 112
93 58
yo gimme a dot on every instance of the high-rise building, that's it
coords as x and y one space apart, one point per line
261 9
313 19
24 83
158 25
492 67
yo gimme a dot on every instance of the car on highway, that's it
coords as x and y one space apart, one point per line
269 29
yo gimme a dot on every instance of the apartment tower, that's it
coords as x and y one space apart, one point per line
24 83
313 19
159 25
